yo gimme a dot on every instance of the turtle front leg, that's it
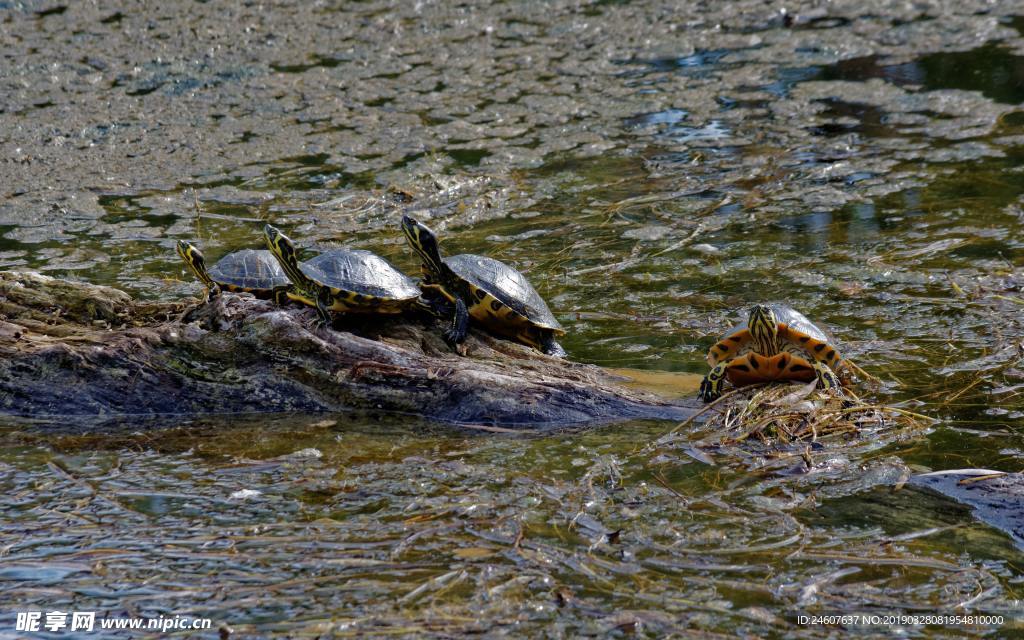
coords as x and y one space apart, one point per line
281 297
455 335
827 379
436 306
212 292
323 308
711 385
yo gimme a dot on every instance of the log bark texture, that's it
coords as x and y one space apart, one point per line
75 349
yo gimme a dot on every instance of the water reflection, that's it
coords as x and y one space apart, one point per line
991 69
697 64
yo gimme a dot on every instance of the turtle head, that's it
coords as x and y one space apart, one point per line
196 262
279 244
764 329
189 253
284 250
424 242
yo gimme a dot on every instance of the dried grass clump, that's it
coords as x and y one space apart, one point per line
781 414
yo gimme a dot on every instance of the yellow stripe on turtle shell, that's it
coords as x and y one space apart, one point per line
259 293
352 302
502 319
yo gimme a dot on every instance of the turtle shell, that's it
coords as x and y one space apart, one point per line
800 331
799 323
506 285
792 318
362 272
249 269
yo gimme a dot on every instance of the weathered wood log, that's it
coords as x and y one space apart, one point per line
75 349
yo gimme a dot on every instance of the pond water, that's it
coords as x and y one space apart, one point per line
654 169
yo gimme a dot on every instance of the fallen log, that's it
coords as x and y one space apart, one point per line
71 349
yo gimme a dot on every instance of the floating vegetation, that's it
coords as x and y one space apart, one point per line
783 415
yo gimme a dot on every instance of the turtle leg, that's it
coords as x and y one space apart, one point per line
456 333
281 297
826 378
323 308
711 385
550 346
726 348
212 292
435 301
437 307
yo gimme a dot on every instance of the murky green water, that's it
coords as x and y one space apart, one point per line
653 173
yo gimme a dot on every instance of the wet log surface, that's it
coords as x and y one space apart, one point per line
75 349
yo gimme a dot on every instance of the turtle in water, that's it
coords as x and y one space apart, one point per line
249 271
776 343
344 280
494 294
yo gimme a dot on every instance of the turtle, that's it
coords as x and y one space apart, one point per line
487 290
249 271
344 280
776 342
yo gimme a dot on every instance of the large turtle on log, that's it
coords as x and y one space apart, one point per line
69 349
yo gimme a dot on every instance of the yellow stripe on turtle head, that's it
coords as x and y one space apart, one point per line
424 242
279 244
764 329
193 257
284 251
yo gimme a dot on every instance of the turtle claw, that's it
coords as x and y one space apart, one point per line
322 320
318 323
707 392
450 338
711 384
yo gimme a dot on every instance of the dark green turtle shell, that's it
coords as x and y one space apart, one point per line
249 269
362 272
507 285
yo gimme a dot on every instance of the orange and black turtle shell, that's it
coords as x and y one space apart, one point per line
800 341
